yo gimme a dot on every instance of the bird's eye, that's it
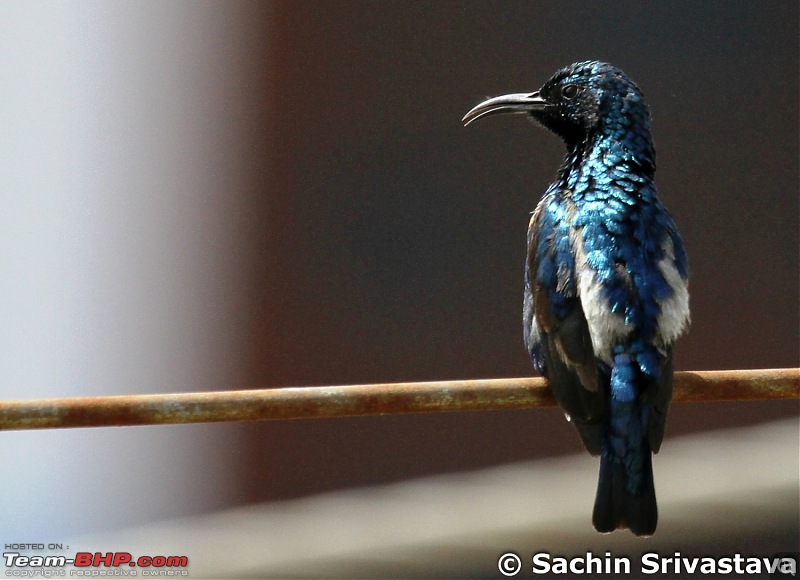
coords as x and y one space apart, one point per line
569 91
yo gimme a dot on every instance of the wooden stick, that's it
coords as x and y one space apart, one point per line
378 399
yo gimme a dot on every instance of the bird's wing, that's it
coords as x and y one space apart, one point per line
555 325
659 400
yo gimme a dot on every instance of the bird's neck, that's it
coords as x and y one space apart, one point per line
615 154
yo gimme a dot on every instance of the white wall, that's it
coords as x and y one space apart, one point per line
118 268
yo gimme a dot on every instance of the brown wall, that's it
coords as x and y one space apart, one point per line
393 238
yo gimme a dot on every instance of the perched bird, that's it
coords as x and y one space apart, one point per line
606 281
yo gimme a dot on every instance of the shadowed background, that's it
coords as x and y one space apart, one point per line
282 194
399 236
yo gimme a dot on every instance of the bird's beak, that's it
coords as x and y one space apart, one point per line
514 103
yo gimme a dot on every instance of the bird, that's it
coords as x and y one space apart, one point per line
606 281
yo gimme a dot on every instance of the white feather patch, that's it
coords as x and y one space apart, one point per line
606 328
674 317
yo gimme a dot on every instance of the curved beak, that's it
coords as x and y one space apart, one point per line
514 103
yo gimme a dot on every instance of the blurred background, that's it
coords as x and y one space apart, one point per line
213 195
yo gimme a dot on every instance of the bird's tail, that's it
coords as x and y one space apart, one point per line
626 496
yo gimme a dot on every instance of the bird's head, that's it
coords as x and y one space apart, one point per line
577 102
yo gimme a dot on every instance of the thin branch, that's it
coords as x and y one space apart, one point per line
379 399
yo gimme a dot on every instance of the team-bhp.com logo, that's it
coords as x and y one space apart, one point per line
96 560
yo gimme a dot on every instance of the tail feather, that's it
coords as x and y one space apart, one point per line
615 507
626 496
